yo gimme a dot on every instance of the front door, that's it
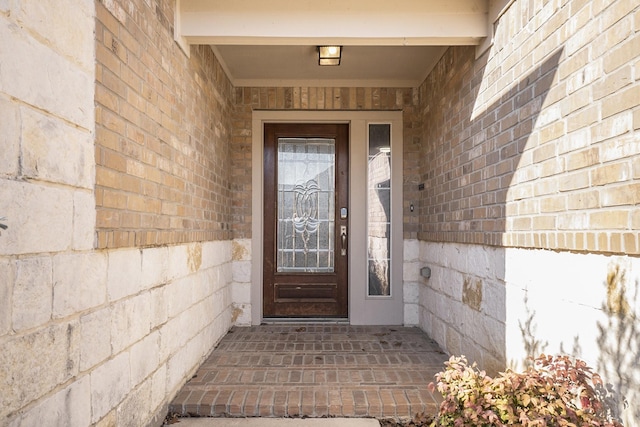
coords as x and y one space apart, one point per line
305 265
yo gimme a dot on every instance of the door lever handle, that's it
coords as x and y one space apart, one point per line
343 239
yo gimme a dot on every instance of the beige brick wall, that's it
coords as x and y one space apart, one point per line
163 127
320 98
536 143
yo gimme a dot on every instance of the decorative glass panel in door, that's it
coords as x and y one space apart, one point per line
305 266
306 205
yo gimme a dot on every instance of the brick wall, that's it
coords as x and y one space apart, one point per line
320 98
163 126
536 143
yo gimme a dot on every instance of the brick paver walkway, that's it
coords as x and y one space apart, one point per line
315 370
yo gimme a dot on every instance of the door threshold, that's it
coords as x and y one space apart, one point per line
307 320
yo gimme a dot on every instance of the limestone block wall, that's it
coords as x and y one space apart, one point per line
46 111
462 306
241 282
99 327
499 306
46 105
411 281
108 337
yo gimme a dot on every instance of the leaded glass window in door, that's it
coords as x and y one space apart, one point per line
305 205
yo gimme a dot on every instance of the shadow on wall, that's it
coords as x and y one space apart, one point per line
533 346
619 341
618 344
476 154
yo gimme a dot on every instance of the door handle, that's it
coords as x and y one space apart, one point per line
343 239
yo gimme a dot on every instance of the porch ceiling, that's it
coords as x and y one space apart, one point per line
273 43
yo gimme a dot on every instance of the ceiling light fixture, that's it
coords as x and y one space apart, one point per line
329 55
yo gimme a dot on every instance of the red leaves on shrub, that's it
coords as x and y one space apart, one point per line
555 391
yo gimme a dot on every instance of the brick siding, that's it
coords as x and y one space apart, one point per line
535 144
163 127
531 145
319 98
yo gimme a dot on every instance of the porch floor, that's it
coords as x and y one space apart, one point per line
315 370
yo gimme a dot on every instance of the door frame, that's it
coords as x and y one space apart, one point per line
363 310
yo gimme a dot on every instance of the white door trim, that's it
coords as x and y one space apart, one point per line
362 310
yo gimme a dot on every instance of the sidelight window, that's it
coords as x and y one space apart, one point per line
379 210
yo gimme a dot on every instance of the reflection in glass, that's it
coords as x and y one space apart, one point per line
379 209
306 197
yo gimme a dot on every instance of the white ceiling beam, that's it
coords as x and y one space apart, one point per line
345 22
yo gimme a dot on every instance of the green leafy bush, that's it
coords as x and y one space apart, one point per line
555 391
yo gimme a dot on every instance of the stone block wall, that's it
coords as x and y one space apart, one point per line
46 105
46 112
241 282
500 306
107 338
103 318
412 281
462 306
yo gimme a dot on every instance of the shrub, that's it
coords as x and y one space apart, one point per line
554 391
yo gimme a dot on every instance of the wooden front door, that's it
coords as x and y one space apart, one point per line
306 209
